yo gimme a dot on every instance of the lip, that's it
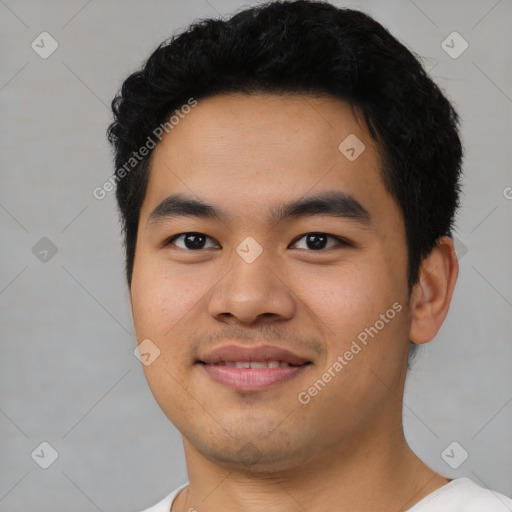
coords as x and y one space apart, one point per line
259 353
249 379
252 379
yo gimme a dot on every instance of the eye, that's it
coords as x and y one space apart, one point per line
194 241
319 241
191 241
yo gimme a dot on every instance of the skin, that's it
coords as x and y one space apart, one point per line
345 449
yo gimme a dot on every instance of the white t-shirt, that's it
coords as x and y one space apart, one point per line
459 495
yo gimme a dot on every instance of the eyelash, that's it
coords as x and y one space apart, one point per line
341 242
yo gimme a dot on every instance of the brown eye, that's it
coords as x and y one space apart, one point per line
319 241
191 241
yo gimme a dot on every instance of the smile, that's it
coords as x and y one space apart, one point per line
254 364
252 375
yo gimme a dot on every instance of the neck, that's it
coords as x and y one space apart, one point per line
385 475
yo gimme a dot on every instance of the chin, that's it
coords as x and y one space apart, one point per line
252 452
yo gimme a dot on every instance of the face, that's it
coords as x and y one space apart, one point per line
256 262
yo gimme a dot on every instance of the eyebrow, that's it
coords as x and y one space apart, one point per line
335 204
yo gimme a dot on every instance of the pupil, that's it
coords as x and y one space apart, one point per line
316 241
191 244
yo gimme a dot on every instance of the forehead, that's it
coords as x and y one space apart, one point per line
250 151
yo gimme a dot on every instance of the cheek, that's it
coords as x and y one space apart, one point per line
145 302
165 298
348 300
341 297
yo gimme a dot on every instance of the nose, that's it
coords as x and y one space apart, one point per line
252 292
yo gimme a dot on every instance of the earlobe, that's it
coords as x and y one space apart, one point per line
432 294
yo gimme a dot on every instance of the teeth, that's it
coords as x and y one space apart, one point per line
254 364
259 364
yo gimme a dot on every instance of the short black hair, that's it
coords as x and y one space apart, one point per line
303 47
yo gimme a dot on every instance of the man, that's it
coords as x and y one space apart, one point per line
287 181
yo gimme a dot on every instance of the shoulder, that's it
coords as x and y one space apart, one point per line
165 504
463 495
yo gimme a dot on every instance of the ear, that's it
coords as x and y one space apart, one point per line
432 294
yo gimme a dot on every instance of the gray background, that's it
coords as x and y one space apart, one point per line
68 375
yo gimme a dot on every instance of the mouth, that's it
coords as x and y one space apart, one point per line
253 367
257 365
252 375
